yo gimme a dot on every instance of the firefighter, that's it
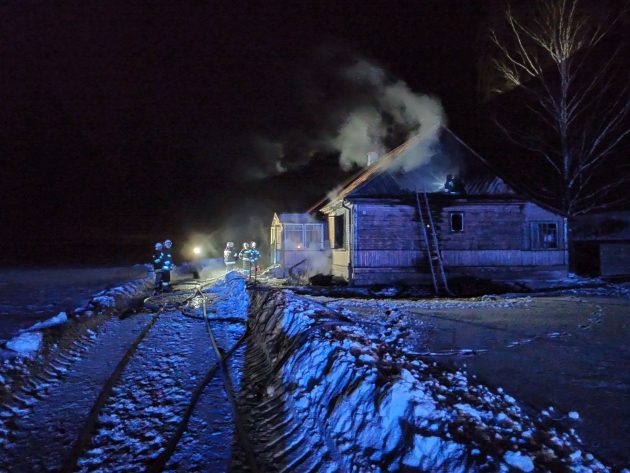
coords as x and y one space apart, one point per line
156 261
243 256
167 265
254 256
229 257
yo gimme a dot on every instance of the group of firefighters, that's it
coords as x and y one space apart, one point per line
248 257
162 261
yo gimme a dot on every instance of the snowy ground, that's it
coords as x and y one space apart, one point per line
30 295
568 351
40 426
327 384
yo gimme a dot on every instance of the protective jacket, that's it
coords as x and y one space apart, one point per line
244 255
254 255
156 259
167 260
230 256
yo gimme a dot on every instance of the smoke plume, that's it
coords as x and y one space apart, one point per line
347 106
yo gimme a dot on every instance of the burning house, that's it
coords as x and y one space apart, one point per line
433 209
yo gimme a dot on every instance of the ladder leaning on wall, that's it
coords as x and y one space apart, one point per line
429 233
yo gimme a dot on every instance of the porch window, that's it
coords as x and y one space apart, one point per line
293 236
314 236
457 222
544 236
340 231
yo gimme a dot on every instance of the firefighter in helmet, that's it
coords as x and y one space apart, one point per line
167 264
156 261
254 256
243 256
229 257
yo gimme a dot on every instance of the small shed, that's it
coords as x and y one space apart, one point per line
602 244
298 243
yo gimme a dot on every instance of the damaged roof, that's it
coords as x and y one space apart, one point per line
422 164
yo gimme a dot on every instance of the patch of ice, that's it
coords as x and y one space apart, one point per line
27 343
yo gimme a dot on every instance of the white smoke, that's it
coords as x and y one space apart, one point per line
362 133
366 128
354 107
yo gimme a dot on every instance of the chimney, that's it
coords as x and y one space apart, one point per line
372 157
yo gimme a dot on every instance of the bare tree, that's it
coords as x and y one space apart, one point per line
566 71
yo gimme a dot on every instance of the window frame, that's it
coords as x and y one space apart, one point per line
319 227
450 221
535 243
291 227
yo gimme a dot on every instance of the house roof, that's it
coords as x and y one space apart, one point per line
294 218
422 163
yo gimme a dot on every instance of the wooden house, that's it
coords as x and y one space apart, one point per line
400 221
298 243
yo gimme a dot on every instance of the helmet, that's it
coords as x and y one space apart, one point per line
230 244
168 243
158 246
253 244
245 245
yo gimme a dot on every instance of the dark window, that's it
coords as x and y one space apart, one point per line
457 222
340 231
544 236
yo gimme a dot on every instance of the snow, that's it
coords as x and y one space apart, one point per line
60 318
26 344
365 396
574 415
519 461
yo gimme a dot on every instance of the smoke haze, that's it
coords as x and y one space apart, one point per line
347 106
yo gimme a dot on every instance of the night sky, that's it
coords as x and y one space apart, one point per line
124 123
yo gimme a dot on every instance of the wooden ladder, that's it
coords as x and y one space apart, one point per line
440 285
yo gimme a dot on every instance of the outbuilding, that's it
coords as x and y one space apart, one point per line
298 244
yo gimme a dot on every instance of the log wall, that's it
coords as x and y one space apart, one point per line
389 247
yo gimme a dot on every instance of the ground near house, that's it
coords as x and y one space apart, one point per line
568 351
331 384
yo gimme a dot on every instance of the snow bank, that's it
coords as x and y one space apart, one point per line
60 318
363 406
26 344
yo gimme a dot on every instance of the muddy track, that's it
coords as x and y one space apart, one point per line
148 413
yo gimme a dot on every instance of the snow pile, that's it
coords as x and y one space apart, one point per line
367 407
434 304
26 344
60 318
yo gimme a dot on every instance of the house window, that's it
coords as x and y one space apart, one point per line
314 236
293 236
457 222
544 236
340 231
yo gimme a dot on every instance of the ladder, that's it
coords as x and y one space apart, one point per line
440 285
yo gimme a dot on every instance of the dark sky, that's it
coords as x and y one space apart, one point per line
132 121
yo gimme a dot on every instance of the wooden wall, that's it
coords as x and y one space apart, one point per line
389 246
614 258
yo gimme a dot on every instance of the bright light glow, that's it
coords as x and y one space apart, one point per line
197 250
